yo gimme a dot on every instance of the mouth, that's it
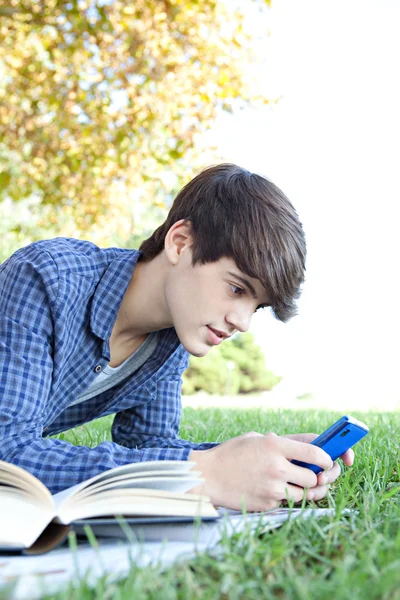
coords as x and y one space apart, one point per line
216 336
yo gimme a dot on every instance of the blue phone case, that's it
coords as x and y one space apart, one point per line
340 436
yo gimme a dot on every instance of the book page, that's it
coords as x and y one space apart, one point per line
137 502
22 519
18 478
158 480
126 472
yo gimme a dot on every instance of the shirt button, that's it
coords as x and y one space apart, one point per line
97 369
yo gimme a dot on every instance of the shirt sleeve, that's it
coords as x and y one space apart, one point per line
153 427
26 370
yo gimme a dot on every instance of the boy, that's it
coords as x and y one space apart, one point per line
86 332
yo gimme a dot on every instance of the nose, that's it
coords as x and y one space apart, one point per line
239 319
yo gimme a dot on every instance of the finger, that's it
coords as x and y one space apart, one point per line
317 493
329 476
301 476
294 493
302 437
308 453
348 457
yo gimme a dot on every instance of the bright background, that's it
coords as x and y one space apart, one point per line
329 138
331 143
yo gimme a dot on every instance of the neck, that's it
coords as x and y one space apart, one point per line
143 308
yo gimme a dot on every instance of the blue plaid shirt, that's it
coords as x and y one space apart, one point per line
58 303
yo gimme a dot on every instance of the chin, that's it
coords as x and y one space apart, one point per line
198 350
199 354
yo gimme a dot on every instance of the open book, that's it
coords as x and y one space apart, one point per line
34 521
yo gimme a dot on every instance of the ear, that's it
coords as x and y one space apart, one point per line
178 240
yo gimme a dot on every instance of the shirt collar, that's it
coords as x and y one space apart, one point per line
109 294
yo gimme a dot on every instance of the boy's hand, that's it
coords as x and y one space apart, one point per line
254 470
325 478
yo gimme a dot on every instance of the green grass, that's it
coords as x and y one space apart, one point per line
333 557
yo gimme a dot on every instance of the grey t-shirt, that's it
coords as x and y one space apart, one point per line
111 376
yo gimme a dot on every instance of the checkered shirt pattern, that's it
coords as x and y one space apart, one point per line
58 303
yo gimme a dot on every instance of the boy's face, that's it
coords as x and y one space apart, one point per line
208 303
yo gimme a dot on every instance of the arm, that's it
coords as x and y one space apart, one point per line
58 464
154 426
27 308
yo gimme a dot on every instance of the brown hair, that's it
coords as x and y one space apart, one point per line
243 216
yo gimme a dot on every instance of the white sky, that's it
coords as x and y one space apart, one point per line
333 145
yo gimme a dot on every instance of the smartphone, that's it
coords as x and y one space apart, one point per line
340 436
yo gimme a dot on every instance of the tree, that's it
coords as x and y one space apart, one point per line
97 93
235 367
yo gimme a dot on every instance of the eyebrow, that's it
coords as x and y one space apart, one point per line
245 282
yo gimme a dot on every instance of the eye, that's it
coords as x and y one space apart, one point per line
237 291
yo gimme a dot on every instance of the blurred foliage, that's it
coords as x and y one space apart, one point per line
101 99
237 366
103 104
29 220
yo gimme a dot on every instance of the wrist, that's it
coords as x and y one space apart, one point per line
202 464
